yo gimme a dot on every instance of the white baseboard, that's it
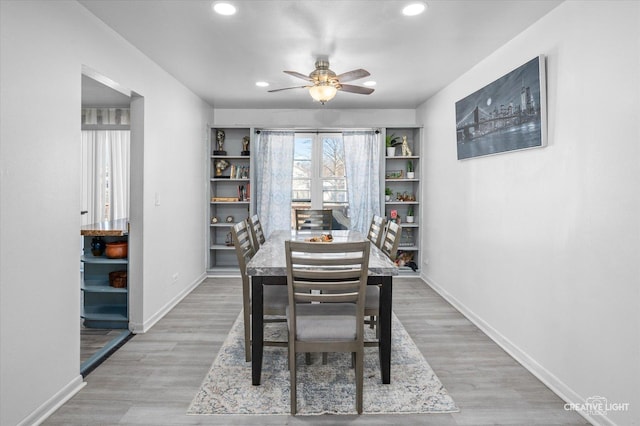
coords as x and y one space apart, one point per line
139 328
41 413
550 380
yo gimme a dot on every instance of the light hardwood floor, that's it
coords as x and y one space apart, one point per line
152 379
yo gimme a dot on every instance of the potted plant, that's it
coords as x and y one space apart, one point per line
410 172
410 218
387 194
390 142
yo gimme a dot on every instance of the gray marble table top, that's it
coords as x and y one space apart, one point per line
270 259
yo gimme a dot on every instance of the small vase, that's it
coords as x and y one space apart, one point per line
410 219
97 246
391 151
387 198
411 175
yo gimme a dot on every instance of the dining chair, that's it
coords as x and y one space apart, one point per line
321 321
315 220
376 229
391 240
275 297
257 233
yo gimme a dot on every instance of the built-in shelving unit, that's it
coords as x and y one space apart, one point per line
229 194
103 306
405 190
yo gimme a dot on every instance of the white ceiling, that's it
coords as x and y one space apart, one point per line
411 58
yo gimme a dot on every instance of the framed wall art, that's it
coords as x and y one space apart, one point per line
506 115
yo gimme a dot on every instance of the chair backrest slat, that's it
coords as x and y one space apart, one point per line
244 247
391 240
257 233
305 274
376 230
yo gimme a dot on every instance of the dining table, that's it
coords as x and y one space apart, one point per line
269 261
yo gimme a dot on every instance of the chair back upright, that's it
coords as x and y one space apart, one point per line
314 220
376 230
391 240
242 241
256 231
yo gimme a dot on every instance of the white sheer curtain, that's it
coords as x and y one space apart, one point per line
362 163
105 175
274 175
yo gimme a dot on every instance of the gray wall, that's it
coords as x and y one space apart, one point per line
541 247
44 47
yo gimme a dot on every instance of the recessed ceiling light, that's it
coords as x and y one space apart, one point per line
369 83
414 9
224 8
262 84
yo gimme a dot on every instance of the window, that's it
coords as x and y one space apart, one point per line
319 179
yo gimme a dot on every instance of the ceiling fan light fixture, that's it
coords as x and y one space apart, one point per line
415 8
224 8
262 84
322 92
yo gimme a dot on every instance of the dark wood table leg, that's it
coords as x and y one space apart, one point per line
257 330
385 328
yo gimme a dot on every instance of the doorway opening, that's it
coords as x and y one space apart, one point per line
105 147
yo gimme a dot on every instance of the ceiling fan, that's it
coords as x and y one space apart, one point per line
324 83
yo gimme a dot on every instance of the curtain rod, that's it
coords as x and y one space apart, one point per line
308 130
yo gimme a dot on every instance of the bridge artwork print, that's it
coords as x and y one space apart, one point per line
506 115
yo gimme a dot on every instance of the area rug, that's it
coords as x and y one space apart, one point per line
322 389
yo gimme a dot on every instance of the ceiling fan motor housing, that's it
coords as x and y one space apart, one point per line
322 74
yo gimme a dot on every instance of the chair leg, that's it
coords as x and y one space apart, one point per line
292 379
247 334
359 379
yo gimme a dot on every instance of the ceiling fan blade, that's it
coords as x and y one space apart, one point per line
287 88
356 89
299 75
353 75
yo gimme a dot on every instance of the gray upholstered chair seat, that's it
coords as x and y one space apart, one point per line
325 321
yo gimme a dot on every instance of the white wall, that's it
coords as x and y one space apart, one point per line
541 248
44 45
315 118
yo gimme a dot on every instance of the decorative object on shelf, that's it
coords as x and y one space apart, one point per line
229 219
228 241
225 199
406 152
394 174
97 246
410 217
117 250
410 172
221 165
214 219
245 146
405 196
118 279
390 141
239 172
393 214
220 143
387 194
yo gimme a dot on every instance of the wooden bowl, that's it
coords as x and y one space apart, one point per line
117 250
